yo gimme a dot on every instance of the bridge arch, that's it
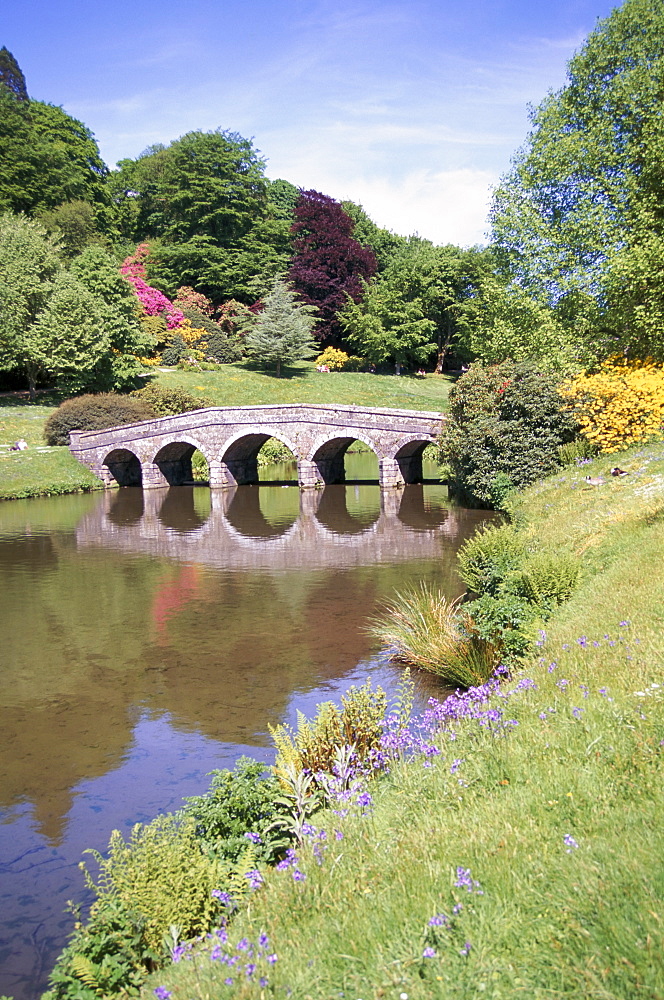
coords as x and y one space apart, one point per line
240 454
329 455
408 456
123 467
173 460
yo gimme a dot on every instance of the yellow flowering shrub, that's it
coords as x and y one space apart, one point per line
334 359
619 405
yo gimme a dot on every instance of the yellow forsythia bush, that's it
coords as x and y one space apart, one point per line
334 359
621 404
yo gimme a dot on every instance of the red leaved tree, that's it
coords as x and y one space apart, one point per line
328 264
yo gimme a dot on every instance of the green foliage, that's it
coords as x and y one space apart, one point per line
68 338
11 77
175 350
104 956
94 413
507 419
422 629
223 349
238 802
484 561
282 331
163 877
580 448
313 747
73 223
165 402
546 579
274 451
412 307
577 221
204 184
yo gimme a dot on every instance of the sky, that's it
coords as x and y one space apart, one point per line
411 109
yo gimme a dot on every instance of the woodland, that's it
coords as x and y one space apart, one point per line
196 231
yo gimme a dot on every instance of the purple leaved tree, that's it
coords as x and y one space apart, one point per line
328 264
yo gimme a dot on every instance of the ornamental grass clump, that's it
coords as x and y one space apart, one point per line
421 628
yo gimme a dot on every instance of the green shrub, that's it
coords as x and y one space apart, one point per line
486 559
506 621
200 321
504 419
94 413
175 350
222 349
314 746
578 449
238 802
546 579
421 628
152 891
166 402
274 451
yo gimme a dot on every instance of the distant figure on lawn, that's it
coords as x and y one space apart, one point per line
19 445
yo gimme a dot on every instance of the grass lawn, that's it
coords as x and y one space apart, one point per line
525 859
240 385
42 471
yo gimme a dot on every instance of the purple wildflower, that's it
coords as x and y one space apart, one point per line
466 949
254 878
570 842
162 993
440 920
298 876
429 953
253 837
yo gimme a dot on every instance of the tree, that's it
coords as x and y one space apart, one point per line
73 223
329 265
29 263
281 332
414 306
205 184
588 186
384 243
11 76
67 339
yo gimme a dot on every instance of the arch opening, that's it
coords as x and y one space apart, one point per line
124 466
409 460
174 463
332 463
276 461
241 458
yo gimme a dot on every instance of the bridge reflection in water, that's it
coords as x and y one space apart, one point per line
317 532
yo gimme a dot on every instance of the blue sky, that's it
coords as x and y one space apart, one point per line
411 109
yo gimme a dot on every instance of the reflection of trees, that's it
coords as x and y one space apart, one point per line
245 514
96 631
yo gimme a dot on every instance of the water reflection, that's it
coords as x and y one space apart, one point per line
150 637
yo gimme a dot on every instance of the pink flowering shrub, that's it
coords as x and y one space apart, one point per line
153 302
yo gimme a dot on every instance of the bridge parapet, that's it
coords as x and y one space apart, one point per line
158 452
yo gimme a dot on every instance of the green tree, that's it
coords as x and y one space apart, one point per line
282 331
384 243
588 185
67 339
29 263
73 223
205 184
414 306
11 76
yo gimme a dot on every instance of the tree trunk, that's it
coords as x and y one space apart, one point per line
444 345
278 369
32 373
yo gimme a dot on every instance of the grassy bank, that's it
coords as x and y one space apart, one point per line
42 471
525 857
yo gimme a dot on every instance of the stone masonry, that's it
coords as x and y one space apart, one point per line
157 453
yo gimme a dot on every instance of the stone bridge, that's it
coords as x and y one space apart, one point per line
157 453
